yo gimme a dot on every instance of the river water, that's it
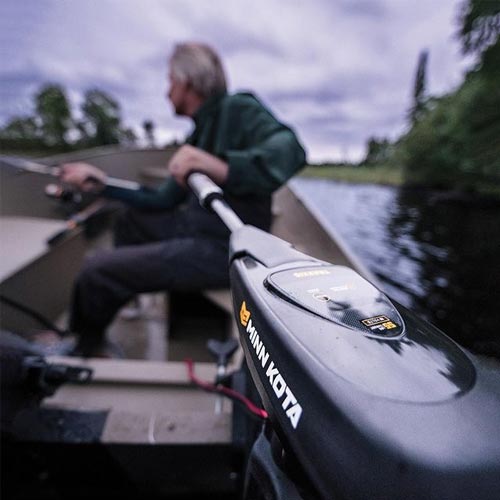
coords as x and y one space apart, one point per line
436 255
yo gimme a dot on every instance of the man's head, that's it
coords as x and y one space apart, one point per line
196 73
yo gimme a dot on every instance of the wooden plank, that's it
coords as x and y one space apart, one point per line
200 427
138 372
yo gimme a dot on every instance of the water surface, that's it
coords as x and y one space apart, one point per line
435 255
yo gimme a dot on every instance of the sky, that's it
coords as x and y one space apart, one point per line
337 71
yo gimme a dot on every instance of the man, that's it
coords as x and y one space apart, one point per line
167 241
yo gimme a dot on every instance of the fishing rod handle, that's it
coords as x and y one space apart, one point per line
211 197
204 188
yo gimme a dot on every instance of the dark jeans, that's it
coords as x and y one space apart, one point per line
153 253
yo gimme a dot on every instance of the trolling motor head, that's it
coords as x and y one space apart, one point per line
371 401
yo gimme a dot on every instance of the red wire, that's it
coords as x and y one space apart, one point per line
260 412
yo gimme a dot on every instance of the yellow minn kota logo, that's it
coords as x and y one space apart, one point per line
244 314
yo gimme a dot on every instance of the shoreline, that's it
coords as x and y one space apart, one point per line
386 175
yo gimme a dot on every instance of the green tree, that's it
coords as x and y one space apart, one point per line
21 133
378 151
53 127
149 128
102 114
419 88
480 33
455 140
128 136
479 24
21 128
54 113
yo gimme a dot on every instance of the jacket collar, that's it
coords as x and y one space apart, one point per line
208 108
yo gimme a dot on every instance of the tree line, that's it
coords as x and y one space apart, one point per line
54 127
453 140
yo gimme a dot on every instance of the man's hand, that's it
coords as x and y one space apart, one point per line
188 159
83 176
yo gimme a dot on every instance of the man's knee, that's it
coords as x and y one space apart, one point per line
92 269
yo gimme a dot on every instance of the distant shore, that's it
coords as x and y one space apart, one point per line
390 175
377 174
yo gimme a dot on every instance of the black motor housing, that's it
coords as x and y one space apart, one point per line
372 401
26 377
15 393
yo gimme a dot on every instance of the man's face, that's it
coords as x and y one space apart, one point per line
177 95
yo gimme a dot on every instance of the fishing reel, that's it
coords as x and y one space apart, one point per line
58 192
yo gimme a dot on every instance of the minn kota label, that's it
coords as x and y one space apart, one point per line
380 324
277 382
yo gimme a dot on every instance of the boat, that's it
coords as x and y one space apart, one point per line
139 427
154 430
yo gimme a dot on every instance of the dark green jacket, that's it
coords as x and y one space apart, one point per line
261 152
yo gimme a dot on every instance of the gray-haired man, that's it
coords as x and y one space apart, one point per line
238 143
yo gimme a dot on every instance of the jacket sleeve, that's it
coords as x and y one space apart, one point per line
165 197
270 156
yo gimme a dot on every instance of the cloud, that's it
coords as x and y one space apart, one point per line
339 72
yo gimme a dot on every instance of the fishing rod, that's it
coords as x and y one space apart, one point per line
78 219
57 192
40 168
364 399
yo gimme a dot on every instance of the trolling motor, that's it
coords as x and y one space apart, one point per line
365 400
